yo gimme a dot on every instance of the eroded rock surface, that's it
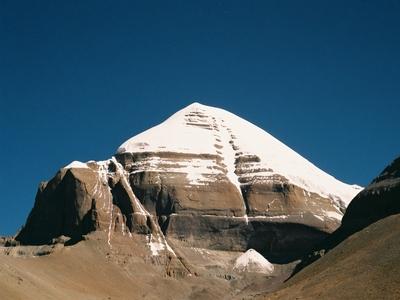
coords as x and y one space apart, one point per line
81 199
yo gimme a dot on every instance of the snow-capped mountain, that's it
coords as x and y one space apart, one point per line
247 153
205 178
203 145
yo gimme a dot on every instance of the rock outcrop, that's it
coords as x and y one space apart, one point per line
203 178
82 198
380 199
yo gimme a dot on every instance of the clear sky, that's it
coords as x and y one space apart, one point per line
77 78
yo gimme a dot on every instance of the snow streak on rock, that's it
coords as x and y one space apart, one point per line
103 178
139 209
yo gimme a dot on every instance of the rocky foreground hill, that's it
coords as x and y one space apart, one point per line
204 205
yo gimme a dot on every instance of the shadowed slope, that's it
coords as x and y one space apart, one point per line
362 258
364 266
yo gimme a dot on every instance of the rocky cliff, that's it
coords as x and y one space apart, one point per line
82 198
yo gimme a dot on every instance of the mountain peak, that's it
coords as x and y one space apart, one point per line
196 105
204 130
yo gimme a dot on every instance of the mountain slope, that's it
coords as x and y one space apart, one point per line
364 266
91 269
362 258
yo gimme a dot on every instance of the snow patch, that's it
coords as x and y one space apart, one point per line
333 215
280 217
319 217
158 244
76 164
252 261
246 218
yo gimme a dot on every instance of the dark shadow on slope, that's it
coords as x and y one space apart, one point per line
283 243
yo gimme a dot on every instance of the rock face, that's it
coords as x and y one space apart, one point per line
82 198
380 199
204 178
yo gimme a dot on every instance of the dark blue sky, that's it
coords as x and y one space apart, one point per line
77 78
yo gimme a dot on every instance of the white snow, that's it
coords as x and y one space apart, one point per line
280 217
110 212
158 244
252 261
333 215
200 129
76 164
